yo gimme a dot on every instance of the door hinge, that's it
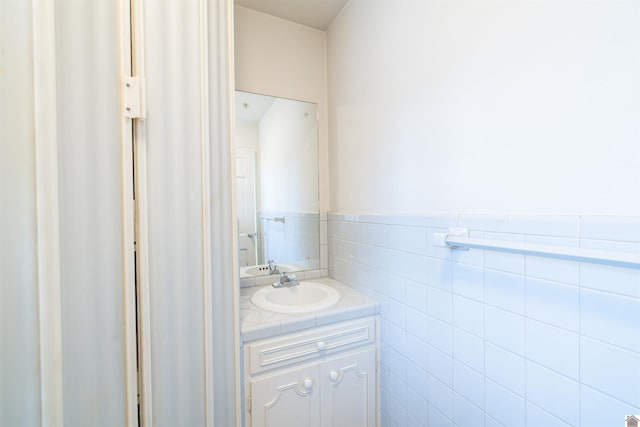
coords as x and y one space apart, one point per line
248 403
133 97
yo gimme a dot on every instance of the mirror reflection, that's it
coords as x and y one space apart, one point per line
276 148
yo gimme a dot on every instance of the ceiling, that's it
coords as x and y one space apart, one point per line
317 14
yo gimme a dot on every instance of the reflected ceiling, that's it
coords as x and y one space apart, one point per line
251 107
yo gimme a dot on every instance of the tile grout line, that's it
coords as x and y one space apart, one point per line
484 339
579 326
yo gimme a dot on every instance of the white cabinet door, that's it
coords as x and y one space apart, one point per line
286 398
348 390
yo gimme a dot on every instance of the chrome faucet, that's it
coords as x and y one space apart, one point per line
273 268
286 280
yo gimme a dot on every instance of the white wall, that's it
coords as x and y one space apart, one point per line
289 157
287 60
246 134
456 107
482 106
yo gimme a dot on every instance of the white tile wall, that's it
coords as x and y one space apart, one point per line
466 279
464 412
566 344
537 417
417 408
553 302
468 349
468 384
505 406
554 392
468 315
504 329
505 368
484 338
300 240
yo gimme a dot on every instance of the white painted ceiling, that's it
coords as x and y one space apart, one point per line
313 13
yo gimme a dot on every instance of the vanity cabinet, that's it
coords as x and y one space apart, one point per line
322 377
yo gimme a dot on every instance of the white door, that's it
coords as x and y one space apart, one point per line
349 390
287 398
246 205
67 290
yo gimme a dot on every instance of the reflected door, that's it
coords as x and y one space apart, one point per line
246 205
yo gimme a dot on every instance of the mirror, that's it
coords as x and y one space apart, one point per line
277 207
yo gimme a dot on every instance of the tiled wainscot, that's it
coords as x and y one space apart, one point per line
480 337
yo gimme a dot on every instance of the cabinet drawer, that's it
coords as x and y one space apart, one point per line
281 351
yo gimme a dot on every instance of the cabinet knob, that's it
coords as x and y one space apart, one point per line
321 345
308 383
333 375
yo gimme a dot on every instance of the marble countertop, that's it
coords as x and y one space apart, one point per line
256 323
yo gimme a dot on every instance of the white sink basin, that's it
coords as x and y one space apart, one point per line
303 298
263 270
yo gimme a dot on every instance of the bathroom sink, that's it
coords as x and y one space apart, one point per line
258 270
263 270
303 298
